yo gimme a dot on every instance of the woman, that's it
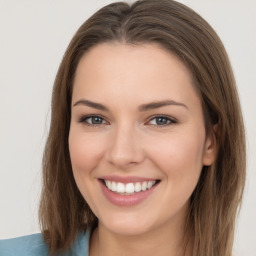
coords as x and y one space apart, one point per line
140 158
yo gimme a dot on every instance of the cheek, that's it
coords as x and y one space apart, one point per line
85 151
180 161
179 157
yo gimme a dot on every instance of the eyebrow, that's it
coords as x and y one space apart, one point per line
91 104
143 107
159 104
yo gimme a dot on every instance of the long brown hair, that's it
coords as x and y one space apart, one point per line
217 196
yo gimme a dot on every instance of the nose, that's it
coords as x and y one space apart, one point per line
124 148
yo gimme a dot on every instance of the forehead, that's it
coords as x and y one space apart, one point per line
131 71
110 55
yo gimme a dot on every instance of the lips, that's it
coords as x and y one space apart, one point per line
129 188
127 191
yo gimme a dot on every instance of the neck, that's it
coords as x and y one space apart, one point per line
163 241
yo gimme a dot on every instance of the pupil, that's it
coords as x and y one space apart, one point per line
161 120
96 120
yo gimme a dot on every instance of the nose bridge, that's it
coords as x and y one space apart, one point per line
124 148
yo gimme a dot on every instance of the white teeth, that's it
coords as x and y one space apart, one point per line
129 188
113 186
120 188
108 184
150 184
137 187
144 186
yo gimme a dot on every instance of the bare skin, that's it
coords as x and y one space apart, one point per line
135 112
151 243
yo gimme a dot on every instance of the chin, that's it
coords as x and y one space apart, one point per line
131 226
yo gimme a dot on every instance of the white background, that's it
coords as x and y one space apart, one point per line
33 37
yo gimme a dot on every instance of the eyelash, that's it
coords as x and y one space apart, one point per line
84 118
170 120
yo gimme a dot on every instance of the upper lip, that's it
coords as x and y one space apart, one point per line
126 179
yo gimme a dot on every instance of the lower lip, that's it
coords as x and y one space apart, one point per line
126 200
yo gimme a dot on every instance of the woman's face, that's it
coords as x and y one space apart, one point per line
137 138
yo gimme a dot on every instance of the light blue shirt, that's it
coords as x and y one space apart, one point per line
34 245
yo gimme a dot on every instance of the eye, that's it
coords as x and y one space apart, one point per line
161 121
93 120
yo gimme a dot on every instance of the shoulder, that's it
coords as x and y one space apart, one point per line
34 245
81 245
25 245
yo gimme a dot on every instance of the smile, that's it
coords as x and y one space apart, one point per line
128 188
127 191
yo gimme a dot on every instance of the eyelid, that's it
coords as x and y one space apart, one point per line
83 119
171 119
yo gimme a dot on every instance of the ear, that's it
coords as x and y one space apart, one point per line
210 147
